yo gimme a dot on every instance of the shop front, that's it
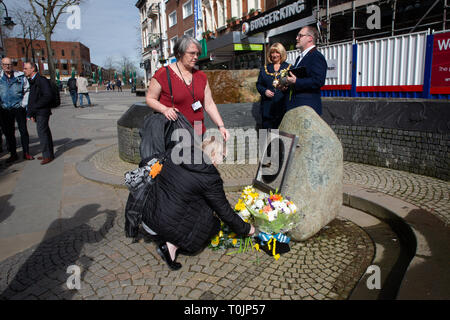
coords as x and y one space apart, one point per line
233 51
281 23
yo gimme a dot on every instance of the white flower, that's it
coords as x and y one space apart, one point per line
293 207
244 214
259 204
272 215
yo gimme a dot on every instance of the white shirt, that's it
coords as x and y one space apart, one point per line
303 54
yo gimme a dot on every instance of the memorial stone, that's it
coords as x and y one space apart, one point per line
316 170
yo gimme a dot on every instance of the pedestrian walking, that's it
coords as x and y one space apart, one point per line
14 92
119 85
72 85
82 85
39 102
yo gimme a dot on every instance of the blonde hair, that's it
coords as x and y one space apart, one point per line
277 47
214 148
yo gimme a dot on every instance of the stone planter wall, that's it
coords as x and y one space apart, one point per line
408 135
233 86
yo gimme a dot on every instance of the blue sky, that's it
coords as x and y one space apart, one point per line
108 27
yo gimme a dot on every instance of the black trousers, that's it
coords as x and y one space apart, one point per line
9 119
45 136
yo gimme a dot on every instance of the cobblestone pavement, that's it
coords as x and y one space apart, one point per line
327 266
425 192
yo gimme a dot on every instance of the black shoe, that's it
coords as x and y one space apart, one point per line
163 251
12 158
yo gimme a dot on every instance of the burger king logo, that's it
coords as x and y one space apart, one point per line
245 28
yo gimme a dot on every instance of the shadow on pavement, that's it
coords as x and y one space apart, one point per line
429 277
44 273
5 208
66 144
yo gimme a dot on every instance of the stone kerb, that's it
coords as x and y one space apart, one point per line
316 170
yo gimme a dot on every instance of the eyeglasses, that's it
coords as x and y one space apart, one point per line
193 53
7 64
303 35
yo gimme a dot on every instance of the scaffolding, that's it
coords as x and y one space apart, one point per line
426 14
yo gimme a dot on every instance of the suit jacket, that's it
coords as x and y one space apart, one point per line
306 91
40 97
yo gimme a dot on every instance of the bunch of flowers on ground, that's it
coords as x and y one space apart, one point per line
271 213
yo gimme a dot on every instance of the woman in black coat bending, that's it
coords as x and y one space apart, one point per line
186 196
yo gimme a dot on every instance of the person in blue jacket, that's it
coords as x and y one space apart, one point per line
272 98
306 91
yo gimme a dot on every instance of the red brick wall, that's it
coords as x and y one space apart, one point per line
80 52
182 24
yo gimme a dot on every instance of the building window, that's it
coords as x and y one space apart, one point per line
23 50
221 12
187 9
236 8
172 43
73 53
62 53
189 32
172 19
145 38
43 52
253 4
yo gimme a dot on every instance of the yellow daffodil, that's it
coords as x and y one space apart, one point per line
220 234
239 206
215 241
234 241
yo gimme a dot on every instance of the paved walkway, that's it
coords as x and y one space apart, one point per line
51 217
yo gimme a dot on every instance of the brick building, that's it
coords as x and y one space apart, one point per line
67 55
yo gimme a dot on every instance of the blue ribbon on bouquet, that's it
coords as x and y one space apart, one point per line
265 237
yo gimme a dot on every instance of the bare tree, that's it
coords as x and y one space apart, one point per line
28 29
48 13
125 64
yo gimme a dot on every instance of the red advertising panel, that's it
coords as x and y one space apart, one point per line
440 67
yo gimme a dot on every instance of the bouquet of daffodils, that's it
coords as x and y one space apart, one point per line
225 239
271 213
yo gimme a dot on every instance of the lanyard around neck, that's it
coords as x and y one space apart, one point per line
192 93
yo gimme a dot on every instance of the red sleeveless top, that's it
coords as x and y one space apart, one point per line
182 94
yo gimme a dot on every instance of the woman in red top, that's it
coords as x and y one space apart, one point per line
190 89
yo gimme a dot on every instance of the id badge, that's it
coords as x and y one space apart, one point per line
197 105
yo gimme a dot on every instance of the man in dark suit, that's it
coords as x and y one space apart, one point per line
39 103
306 90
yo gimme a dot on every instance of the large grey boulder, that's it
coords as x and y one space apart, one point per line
315 175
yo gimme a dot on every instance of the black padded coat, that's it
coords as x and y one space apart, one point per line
185 198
